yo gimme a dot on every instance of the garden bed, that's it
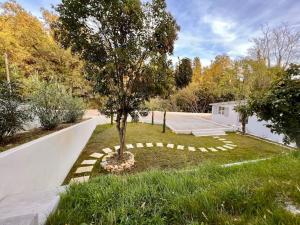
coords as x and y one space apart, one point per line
27 136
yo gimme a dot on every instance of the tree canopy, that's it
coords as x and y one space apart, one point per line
183 73
125 44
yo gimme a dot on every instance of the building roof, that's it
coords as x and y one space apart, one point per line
229 103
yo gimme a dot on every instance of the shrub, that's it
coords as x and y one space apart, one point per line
12 114
73 108
48 101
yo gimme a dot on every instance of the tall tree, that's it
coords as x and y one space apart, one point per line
197 69
121 41
281 105
36 53
277 46
183 73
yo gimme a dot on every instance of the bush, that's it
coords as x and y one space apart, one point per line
12 114
48 101
74 109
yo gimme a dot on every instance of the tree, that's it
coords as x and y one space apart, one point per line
36 53
244 112
281 105
197 69
121 42
183 73
13 115
278 46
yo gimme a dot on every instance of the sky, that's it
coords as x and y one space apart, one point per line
214 27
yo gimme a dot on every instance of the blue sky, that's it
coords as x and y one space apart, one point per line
214 27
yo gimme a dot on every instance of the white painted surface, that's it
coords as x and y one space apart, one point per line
43 163
253 127
258 128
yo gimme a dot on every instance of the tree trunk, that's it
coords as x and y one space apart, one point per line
243 127
111 118
164 122
121 126
152 122
297 139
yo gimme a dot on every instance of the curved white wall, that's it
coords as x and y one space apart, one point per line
43 163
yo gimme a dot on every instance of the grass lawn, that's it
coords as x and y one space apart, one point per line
163 158
252 194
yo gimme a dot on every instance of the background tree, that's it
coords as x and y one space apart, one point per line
277 46
281 105
120 41
197 69
36 53
244 112
183 73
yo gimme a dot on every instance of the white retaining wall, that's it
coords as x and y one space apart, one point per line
43 163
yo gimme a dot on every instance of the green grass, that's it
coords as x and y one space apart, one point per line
163 158
249 194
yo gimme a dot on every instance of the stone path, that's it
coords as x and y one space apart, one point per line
87 165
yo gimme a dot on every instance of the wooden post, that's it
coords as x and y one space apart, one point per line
6 67
152 122
164 122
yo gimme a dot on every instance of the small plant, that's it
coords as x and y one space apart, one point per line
13 115
74 109
48 101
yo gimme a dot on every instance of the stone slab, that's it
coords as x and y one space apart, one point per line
106 150
170 145
222 139
228 147
88 162
79 179
129 146
149 145
159 144
117 147
213 149
192 149
139 145
216 137
232 145
203 149
84 169
96 155
228 142
221 148
180 147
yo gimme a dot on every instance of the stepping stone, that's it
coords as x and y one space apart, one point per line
228 147
216 137
106 150
159 145
228 142
213 149
89 162
192 149
170 145
222 139
129 146
149 145
139 145
84 169
231 145
79 179
221 148
96 155
180 147
203 149
117 147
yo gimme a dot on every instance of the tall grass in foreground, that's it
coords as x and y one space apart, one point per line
248 194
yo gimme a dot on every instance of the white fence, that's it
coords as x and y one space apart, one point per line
43 163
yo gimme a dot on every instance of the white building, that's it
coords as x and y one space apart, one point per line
224 113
